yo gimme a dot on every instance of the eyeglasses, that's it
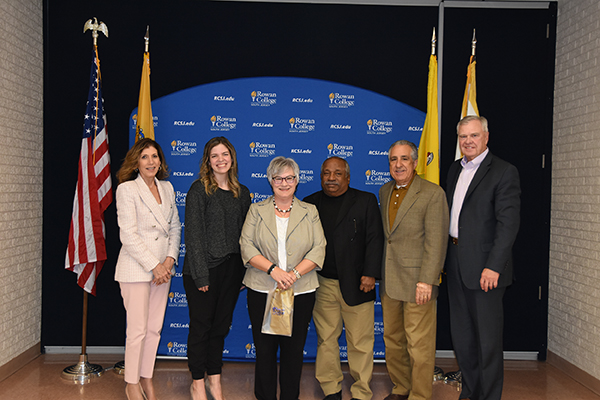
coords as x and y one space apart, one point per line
289 179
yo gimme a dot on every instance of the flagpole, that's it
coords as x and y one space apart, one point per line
119 367
82 372
438 373
429 144
473 47
144 126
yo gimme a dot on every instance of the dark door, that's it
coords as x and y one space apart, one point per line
515 81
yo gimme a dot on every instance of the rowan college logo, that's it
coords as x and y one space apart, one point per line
302 125
374 177
378 127
250 350
221 123
259 149
181 148
257 197
337 100
263 99
340 150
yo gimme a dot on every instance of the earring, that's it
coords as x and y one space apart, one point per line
136 170
159 167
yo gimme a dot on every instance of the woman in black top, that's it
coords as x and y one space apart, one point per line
216 206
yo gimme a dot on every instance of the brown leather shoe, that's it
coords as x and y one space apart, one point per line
393 396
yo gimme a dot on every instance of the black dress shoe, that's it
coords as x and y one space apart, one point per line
335 396
453 377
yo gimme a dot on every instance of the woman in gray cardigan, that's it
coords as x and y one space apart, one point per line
282 245
216 206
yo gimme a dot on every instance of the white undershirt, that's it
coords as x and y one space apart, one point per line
282 224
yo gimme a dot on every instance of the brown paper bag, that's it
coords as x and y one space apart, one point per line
279 312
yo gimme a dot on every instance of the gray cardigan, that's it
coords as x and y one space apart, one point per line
212 229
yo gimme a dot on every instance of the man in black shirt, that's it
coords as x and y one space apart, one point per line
345 297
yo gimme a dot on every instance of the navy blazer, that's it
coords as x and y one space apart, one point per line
358 239
489 220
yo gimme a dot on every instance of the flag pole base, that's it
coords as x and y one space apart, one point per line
82 372
119 368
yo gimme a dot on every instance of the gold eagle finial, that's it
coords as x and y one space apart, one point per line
95 27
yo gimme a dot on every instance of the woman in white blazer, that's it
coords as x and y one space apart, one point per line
150 233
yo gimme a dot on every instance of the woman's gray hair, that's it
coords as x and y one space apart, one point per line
280 163
414 153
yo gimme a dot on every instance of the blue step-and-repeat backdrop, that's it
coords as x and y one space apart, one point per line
306 119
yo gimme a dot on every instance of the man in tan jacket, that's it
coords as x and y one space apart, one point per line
415 225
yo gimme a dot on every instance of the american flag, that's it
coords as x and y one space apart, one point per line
86 252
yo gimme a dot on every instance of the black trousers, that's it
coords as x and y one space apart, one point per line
210 315
291 349
476 325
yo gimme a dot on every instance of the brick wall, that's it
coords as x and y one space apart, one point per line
21 134
574 310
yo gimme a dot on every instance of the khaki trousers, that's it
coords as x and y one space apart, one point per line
329 315
409 336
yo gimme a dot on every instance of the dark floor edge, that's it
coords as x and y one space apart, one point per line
574 372
19 361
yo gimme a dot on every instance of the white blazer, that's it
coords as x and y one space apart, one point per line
149 232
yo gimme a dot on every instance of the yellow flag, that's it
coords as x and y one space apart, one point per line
428 165
469 105
145 125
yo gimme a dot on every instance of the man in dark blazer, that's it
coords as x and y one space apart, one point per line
346 292
484 201
415 224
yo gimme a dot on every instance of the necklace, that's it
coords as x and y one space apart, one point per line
280 210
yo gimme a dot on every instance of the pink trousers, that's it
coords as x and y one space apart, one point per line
145 304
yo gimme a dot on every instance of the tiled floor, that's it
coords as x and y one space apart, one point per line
41 379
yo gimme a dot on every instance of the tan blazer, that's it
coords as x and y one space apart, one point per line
149 232
415 246
305 239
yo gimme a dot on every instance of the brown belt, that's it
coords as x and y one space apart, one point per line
454 240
